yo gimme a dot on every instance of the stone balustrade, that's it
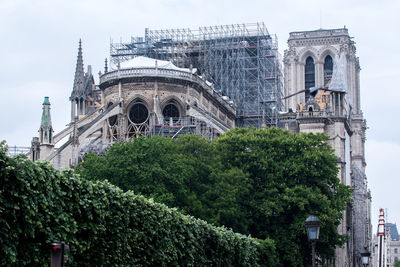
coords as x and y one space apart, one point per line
165 73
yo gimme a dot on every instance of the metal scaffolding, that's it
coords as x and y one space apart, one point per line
17 150
241 60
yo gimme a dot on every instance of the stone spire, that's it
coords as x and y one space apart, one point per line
79 81
46 129
82 88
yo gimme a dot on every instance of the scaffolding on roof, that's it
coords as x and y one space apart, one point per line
241 60
17 150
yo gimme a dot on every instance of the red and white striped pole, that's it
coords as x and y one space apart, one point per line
381 239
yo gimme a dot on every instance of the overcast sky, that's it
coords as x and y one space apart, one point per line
39 42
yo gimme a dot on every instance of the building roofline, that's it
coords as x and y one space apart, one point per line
319 33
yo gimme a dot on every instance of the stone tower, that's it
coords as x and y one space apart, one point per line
322 95
46 141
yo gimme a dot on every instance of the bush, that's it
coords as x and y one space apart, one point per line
105 226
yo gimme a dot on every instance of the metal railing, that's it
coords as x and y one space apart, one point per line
322 113
185 121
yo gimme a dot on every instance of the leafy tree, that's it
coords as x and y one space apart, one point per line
263 182
183 173
397 264
143 166
291 176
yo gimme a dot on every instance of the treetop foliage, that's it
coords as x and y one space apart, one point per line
262 182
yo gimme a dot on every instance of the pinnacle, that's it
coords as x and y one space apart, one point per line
79 73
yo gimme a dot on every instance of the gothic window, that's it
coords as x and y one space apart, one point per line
328 69
139 117
113 119
112 134
171 111
138 113
112 131
309 75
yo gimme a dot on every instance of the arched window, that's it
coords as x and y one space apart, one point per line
328 69
309 75
171 111
138 120
113 119
138 113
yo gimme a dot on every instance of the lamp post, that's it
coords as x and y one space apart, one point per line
365 256
312 226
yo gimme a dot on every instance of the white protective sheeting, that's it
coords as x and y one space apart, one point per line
145 62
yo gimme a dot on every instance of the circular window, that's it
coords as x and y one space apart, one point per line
171 110
138 113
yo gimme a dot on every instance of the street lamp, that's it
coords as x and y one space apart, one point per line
312 225
365 256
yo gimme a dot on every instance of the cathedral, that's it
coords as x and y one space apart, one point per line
198 82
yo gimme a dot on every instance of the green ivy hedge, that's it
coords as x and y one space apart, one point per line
105 226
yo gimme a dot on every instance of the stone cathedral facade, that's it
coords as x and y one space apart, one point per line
144 96
322 95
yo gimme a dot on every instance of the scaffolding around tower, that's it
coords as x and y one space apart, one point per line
241 60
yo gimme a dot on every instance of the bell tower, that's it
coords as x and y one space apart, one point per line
322 95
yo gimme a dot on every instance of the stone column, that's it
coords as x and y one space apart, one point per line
78 107
300 98
319 74
72 110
